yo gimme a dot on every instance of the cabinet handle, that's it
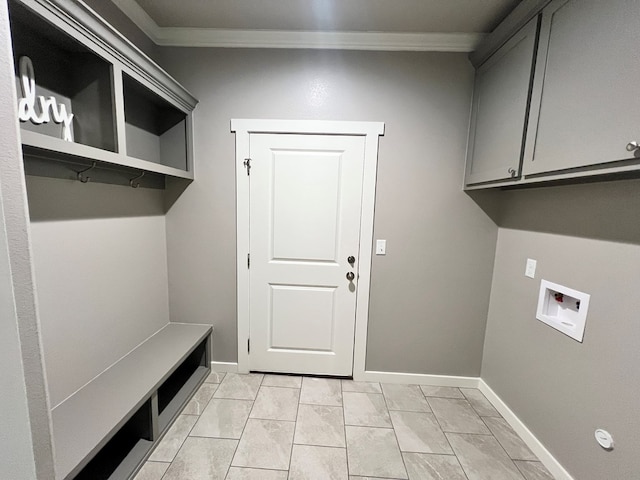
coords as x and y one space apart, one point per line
512 172
632 146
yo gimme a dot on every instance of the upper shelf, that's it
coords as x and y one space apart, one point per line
78 79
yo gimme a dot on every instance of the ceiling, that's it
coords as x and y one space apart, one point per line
332 15
402 24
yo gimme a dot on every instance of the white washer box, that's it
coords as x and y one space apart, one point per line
563 308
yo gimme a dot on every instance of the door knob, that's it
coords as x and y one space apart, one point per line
350 276
632 146
351 259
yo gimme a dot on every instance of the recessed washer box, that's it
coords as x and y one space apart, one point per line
563 308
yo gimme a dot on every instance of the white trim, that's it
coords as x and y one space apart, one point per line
231 38
228 367
371 130
418 379
536 446
319 127
242 246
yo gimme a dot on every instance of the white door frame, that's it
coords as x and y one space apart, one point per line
371 130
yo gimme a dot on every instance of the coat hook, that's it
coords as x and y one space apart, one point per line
132 181
81 177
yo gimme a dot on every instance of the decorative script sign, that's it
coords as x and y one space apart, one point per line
48 106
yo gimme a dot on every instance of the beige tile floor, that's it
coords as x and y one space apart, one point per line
275 427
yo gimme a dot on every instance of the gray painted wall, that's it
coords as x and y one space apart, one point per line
586 237
429 294
17 460
25 439
101 269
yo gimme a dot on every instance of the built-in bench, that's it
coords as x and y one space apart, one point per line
107 428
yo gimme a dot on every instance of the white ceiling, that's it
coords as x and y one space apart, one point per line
436 25
469 16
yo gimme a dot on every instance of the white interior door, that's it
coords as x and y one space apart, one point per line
305 207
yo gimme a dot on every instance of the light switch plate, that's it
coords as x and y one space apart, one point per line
530 270
381 247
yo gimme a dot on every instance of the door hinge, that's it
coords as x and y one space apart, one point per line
248 260
248 345
247 164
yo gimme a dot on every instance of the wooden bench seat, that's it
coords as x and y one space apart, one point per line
125 397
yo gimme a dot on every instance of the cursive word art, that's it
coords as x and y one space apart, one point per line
48 106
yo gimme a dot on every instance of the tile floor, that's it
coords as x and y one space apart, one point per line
274 427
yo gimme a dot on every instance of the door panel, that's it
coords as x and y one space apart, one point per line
312 180
305 203
302 318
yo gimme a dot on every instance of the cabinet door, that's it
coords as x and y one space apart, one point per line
500 108
586 87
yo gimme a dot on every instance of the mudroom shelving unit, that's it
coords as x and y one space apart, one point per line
94 108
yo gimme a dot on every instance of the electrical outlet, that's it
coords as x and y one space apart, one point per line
530 270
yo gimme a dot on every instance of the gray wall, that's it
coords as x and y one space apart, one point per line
101 270
429 294
25 440
586 237
17 460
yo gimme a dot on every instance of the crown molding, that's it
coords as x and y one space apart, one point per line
140 17
227 38
209 37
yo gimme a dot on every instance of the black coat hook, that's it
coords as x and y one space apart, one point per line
80 175
133 183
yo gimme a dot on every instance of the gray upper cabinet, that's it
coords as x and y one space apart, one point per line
128 115
500 110
587 107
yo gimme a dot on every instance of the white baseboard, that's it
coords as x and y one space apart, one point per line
227 367
548 460
418 379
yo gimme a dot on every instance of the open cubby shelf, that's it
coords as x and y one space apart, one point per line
72 73
156 131
107 428
178 388
124 451
126 110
